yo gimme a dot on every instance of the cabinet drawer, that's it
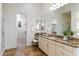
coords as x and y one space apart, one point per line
66 53
40 38
52 42
59 44
45 39
66 47
69 48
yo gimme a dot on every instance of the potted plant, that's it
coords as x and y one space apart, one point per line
67 33
71 33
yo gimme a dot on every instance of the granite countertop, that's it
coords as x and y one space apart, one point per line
71 42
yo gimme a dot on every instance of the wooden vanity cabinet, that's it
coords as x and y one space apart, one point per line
53 48
64 50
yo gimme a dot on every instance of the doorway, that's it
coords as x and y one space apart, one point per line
21 21
21 29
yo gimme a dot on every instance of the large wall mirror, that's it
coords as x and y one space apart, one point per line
77 25
54 25
40 25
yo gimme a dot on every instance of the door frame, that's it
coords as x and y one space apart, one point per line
26 27
3 35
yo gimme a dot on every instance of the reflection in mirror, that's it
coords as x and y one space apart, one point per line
53 28
19 24
40 25
77 32
54 25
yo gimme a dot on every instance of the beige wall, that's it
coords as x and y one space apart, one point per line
9 14
0 25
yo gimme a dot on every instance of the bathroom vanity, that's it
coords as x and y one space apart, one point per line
56 46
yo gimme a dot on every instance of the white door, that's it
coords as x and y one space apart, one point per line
21 30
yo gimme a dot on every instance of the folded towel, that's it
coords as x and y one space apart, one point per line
35 40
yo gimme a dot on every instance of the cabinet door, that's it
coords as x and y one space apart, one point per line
52 51
45 45
58 51
40 44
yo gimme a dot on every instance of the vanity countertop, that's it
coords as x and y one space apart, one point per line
71 42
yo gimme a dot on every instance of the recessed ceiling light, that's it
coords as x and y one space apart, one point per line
54 6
